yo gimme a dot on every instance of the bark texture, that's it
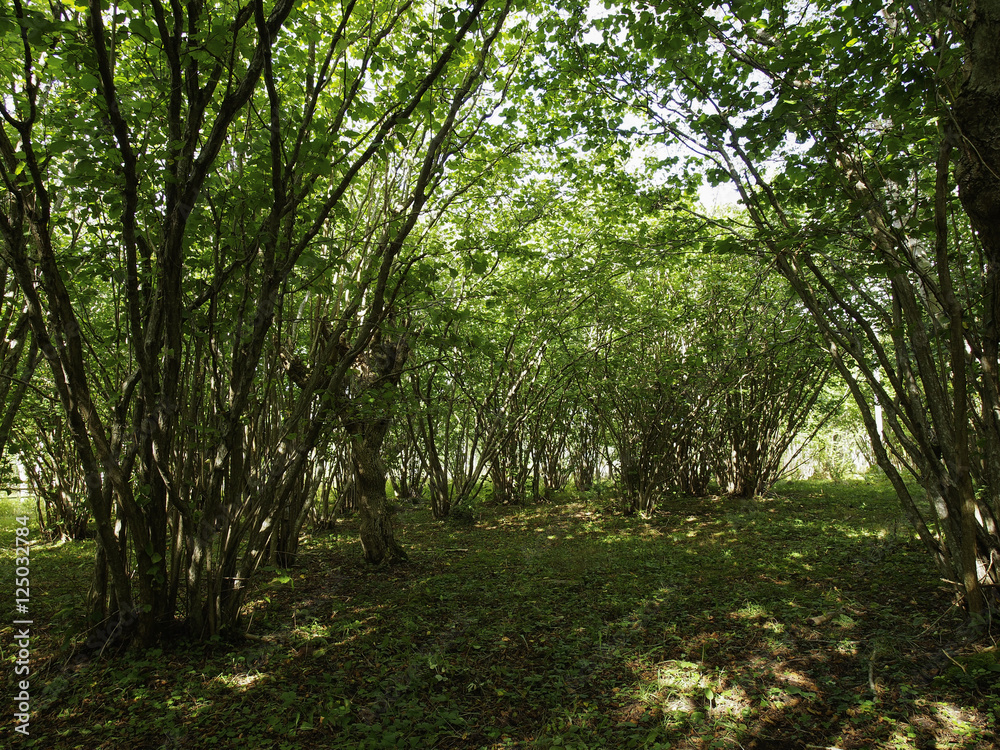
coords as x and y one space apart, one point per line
367 423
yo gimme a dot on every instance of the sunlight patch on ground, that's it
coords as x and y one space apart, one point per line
799 682
846 647
953 718
853 532
903 738
750 612
353 627
239 682
685 692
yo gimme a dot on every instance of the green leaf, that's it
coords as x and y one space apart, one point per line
140 28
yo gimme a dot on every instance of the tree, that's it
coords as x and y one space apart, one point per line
198 163
43 445
863 107
774 374
18 357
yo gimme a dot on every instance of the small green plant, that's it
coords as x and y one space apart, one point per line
978 671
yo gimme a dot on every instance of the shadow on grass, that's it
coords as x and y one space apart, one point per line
808 620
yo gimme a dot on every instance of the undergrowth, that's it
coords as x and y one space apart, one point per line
808 619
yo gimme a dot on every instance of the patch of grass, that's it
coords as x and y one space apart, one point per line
811 617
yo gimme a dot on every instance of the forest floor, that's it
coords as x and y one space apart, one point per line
806 620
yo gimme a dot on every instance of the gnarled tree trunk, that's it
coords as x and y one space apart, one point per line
367 421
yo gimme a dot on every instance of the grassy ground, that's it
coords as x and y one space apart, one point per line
810 619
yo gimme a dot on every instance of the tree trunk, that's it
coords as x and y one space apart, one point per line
977 116
14 385
378 540
367 422
586 452
440 496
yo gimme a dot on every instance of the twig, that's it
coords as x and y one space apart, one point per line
943 614
954 662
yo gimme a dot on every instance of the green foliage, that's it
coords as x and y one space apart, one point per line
212 212
977 671
837 126
840 449
231 224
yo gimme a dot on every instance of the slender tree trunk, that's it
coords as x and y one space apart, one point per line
14 384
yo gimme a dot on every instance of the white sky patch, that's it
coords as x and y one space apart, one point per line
720 196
